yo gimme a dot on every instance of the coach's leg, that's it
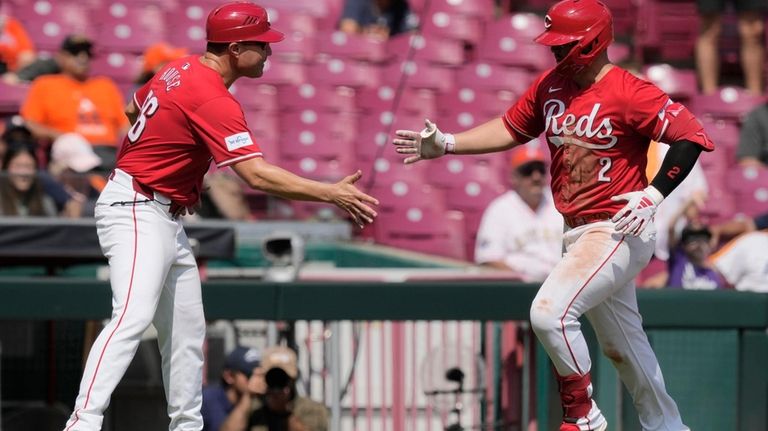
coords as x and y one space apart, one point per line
136 242
180 325
618 326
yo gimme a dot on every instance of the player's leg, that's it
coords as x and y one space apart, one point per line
751 32
707 56
584 278
180 327
619 329
136 243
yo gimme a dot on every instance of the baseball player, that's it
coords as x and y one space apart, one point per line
598 121
182 119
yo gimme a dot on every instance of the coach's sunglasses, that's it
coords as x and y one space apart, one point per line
529 168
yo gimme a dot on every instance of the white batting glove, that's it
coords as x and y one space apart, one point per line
430 143
639 211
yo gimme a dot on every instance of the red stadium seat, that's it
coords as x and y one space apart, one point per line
455 173
290 21
337 71
413 102
680 84
452 26
492 77
729 104
48 23
122 67
283 73
666 30
317 134
319 97
339 44
423 229
749 186
435 50
186 25
124 27
419 74
11 98
254 96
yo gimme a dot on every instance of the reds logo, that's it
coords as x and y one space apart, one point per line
570 128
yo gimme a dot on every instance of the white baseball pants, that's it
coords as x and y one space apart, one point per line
596 278
154 279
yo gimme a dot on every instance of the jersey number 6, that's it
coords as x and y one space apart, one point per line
147 110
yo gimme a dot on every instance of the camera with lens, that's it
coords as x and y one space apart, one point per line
277 378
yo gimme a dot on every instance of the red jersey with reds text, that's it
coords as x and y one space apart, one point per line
187 118
598 136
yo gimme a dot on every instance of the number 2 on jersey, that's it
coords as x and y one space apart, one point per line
147 110
605 162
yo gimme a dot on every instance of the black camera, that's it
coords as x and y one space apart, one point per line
277 378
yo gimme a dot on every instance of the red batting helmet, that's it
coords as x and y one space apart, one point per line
587 22
240 22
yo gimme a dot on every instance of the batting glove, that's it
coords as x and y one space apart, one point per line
639 211
430 143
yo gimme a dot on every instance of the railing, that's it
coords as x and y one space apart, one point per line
712 346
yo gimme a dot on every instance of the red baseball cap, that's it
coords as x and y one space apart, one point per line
526 154
240 22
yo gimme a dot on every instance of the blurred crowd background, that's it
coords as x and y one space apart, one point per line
350 73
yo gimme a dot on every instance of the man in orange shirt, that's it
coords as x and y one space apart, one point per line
74 102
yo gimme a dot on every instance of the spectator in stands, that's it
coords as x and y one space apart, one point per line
753 138
743 262
679 208
155 57
751 26
16 133
72 165
281 408
739 225
521 230
688 265
230 400
73 102
380 18
16 48
21 192
224 196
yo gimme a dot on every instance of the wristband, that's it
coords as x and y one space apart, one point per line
450 143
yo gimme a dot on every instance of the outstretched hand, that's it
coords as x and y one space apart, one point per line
349 198
430 143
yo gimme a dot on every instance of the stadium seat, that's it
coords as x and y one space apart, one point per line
728 104
254 96
491 77
452 26
48 23
413 103
341 72
680 84
339 44
317 134
122 67
384 172
482 104
483 9
509 41
447 52
290 21
320 97
11 98
297 47
749 186
666 30
454 173
186 25
419 74
125 27
725 135
423 229
283 73
266 131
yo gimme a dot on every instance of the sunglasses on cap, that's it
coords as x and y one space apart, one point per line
529 168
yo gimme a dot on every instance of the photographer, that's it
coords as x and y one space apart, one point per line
226 405
281 408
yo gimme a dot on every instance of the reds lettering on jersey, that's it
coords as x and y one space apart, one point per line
599 136
187 118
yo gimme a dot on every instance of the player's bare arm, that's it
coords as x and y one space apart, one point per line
262 175
431 143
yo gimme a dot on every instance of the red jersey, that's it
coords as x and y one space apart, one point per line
599 136
187 118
